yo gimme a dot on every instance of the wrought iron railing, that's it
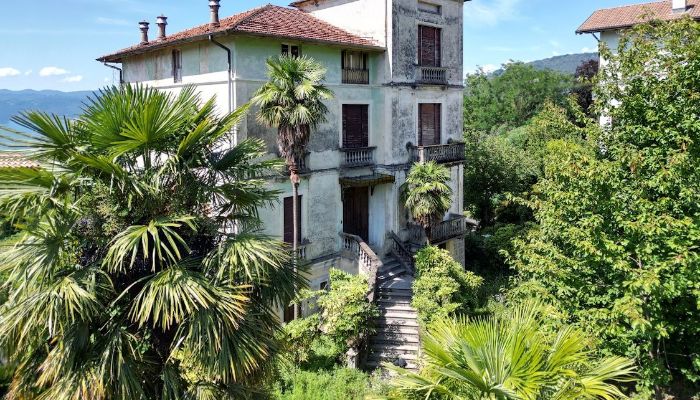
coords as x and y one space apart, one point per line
401 253
441 153
453 227
357 157
355 248
356 76
435 75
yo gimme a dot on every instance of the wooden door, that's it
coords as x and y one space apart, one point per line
355 126
288 219
429 124
356 212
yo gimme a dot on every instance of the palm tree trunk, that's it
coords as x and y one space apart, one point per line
295 235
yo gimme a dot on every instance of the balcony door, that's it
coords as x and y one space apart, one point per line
355 126
356 212
429 125
429 46
288 235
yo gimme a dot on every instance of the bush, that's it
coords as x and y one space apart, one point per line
442 287
341 383
344 317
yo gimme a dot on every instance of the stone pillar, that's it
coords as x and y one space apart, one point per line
456 249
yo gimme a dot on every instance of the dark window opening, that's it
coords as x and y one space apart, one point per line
323 285
355 126
429 46
288 219
177 66
288 314
429 124
291 50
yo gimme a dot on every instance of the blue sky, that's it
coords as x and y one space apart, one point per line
53 44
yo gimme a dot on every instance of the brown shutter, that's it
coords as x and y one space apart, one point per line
355 126
288 235
429 46
429 124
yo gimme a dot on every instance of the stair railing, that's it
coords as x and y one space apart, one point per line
368 262
401 252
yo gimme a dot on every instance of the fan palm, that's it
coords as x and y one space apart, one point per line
292 101
512 356
427 194
127 280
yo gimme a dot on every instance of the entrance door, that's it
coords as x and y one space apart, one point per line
429 124
356 212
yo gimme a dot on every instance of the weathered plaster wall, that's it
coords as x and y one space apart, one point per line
365 18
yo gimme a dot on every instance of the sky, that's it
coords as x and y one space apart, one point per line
52 44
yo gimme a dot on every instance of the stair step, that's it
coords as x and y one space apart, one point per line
390 355
378 364
394 330
398 313
391 273
404 340
394 348
394 306
390 321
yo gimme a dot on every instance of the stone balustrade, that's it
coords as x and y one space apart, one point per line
441 153
357 157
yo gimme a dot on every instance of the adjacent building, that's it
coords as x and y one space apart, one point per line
396 67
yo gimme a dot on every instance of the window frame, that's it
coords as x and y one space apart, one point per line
177 65
287 49
437 44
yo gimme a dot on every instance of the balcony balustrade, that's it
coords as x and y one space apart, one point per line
441 153
357 157
356 76
454 227
432 75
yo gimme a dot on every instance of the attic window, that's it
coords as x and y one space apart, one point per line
177 66
429 7
291 50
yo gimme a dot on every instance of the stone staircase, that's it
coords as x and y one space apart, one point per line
396 339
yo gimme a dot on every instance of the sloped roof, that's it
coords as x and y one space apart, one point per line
16 160
627 16
269 20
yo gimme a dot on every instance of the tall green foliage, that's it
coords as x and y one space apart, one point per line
427 193
139 273
617 246
442 287
512 356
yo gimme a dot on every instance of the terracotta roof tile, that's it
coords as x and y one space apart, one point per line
16 160
268 20
627 16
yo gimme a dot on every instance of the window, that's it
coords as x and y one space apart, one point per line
429 46
288 314
288 235
354 66
323 285
429 7
355 126
291 50
177 66
429 124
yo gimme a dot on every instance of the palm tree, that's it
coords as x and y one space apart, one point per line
513 355
427 194
127 280
292 101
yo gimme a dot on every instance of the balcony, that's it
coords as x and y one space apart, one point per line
357 157
441 153
432 75
301 250
455 226
356 76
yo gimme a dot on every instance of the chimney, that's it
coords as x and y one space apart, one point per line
214 7
680 6
143 25
161 21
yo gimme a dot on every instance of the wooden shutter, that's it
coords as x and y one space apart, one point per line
429 122
355 126
288 225
429 46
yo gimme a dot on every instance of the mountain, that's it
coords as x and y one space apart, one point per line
566 63
50 101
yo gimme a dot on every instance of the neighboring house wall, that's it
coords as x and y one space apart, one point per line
392 95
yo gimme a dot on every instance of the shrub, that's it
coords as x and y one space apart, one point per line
341 383
442 287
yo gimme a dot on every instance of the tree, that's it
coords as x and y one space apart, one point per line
584 77
292 101
129 280
512 356
619 218
511 98
427 194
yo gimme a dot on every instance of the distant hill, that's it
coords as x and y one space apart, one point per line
50 101
566 63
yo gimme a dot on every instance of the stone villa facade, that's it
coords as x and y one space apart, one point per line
396 67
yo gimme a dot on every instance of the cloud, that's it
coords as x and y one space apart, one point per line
8 71
73 79
52 71
28 72
588 50
497 11
112 21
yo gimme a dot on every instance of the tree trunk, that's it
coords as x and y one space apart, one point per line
295 235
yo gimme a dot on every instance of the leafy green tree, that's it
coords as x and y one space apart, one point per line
619 219
427 193
442 287
293 102
139 273
511 98
512 356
